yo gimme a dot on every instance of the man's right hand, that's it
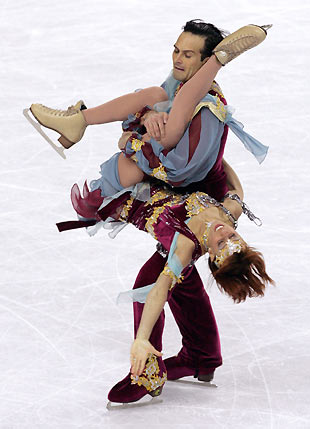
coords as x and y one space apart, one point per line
154 123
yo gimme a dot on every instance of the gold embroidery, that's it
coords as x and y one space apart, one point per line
163 194
216 88
167 271
158 196
125 210
193 205
217 109
150 378
160 173
136 144
151 221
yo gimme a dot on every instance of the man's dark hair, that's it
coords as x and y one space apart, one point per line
211 34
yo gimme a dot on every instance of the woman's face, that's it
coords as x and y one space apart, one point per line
220 236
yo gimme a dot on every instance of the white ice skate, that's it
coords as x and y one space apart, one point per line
36 123
240 41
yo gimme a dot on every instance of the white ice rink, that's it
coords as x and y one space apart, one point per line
63 341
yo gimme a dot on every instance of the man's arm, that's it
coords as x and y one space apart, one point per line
233 182
153 159
154 123
235 187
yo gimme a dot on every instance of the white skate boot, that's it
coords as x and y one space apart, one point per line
70 124
240 41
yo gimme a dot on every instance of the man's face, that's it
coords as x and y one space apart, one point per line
186 56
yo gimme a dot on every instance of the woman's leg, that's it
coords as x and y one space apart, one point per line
183 106
128 171
119 108
117 173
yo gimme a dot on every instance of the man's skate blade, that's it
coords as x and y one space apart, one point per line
200 384
114 406
37 126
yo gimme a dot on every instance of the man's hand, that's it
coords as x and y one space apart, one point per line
123 140
154 123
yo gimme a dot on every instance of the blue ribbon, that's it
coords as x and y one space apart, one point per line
258 149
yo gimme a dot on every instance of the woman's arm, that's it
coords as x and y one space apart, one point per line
154 304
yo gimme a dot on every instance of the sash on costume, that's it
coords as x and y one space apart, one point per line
222 112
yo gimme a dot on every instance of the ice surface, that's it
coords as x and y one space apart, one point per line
64 343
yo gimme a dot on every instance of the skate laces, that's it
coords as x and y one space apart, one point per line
58 112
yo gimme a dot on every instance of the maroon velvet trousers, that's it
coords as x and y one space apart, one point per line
191 308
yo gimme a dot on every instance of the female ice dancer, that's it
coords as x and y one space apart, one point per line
186 226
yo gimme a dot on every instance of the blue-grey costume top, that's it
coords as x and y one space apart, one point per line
175 166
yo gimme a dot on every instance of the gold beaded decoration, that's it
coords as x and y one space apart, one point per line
160 173
167 271
150 378
136 144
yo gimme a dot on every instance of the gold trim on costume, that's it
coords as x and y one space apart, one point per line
150 378
158 196
150 221
160 173
125 210
167 271
217 109
136 144
216 88
163 194
193 205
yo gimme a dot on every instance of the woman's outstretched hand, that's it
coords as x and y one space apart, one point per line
139 354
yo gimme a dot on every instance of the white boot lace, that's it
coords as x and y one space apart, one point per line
57 112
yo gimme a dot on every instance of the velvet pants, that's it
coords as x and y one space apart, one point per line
200 353
191 308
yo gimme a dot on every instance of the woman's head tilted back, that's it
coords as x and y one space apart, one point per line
238 269
242 274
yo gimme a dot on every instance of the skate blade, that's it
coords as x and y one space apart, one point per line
199 384
37 126
153 401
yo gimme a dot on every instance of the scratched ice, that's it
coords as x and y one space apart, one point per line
64 343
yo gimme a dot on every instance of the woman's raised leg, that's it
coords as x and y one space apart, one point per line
119 108
187 99
71 123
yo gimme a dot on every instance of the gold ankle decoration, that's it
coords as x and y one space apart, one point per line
150 378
